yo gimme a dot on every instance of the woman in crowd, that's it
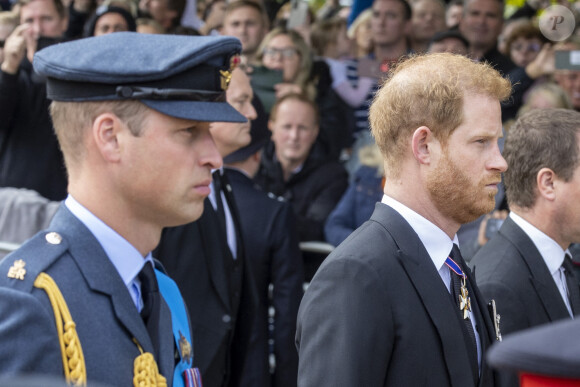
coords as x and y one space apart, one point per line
285 50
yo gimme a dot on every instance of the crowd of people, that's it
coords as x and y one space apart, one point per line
302 125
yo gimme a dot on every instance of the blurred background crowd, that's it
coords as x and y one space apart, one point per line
314 68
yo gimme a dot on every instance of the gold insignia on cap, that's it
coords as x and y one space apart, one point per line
17 270
226 75
53 238
185 348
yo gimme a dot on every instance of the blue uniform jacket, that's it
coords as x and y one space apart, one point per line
106 317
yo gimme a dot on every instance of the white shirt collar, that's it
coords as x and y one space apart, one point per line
436 242
549 249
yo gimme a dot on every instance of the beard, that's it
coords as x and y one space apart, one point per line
456 196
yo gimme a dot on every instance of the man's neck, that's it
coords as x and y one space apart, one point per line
420 202
420 45
544 222
289 166
477 53
142 234
391 51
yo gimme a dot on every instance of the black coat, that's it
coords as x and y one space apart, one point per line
313 192
510 269
30 156
271 242
197 257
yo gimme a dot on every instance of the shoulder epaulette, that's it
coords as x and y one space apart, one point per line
20 269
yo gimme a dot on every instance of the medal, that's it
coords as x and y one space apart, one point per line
464 300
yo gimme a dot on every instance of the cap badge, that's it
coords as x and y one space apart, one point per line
53 238
17 270
226 75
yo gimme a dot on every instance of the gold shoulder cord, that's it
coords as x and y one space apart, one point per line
146 373
73 360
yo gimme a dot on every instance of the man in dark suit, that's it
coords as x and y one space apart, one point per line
207 260
271 241
481 24
395 304
526 266
82 299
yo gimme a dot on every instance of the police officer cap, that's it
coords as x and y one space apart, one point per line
180 76
552 350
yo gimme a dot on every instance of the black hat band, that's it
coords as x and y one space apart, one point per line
202 84
135 92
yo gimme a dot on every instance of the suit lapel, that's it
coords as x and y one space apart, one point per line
100 274
485 326
540 276
235 214
214 246
432 291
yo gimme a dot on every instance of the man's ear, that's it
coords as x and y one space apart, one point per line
546 181
105 131
422 143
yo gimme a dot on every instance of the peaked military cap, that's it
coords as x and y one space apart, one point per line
180 76
550 349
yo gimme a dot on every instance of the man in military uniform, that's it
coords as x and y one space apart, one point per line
132 114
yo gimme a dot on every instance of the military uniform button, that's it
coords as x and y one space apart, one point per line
226 318
53 238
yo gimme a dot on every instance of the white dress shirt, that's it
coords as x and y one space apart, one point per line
230 228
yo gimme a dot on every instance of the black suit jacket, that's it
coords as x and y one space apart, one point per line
378 314
510 269
195 255
271 242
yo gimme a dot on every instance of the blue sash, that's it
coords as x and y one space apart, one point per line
181 332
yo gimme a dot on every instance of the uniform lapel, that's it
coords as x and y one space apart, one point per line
540 276
101 275
432 291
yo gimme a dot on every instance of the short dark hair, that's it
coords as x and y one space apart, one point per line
251 4
541 138
58 4
407 11
500 2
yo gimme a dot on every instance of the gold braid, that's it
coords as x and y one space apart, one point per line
73 360
146 373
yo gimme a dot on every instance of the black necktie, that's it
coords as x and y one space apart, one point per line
456 284
151 304
572 285
218 185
